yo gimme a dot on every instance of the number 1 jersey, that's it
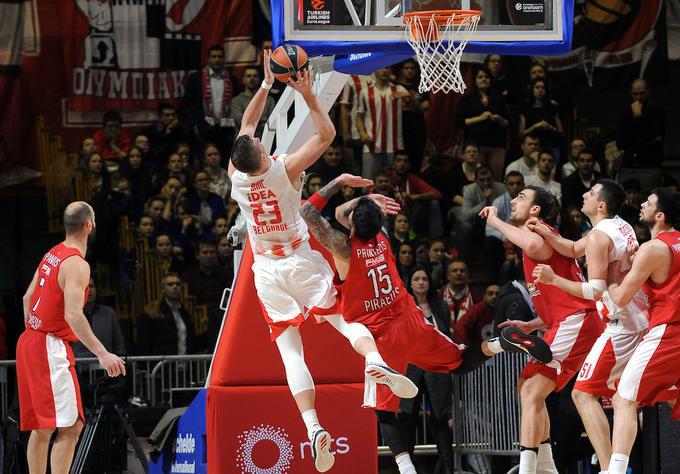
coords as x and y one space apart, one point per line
271 207
372 293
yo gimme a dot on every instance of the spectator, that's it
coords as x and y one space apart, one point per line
349 107
476 325
463 174
436 387
580 225
413 112
172 170
483 117
112 142
526 164
630 212
97 177
469 226
436 261
166 259
540 116
221 226
640 135
142 141
500 85
418 199
145 228
331 164
382 184
160 209
87 147
574 149
379 121
136 170
313 182
232 211
225 253
189 164
577 184
220 183
545 166
495 251
406 260
401 232
207 102
251 83
186 230
458 294
165 133
166 327
105 326
207 281
206 205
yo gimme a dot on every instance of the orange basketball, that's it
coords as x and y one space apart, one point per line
287 60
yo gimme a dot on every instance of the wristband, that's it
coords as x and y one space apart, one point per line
266 86
318 201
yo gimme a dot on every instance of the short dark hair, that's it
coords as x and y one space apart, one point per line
546 151
483 169
215 47
473 143
244 156
76 216
613 195
112 116
209 242
529 135
668 202
402 153
367 218
164 106
585 151
543 199
379 174
512 174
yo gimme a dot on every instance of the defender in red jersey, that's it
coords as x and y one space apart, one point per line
653 369
572 324
49 396
373 294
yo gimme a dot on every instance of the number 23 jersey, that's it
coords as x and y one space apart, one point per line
271 207
372 293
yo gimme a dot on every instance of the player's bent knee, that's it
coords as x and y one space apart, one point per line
43 435
580 397
621 403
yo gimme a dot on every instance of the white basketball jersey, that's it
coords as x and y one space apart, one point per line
635 316
271 207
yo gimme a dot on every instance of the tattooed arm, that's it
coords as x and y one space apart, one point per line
334 240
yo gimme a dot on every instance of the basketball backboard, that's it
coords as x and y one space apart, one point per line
354 27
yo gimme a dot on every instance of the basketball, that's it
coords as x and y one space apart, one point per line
287 60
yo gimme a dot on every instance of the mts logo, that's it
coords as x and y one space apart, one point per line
339 445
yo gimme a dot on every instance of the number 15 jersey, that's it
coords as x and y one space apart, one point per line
372 293
271 207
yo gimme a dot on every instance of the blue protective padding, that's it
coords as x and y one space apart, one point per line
400 50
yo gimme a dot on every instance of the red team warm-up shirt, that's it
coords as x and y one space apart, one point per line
552 304
663 297
372 289
46 311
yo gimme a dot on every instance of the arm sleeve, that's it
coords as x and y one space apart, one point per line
471 205
421 186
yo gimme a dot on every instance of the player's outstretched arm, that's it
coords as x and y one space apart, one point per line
252 114
307 155
74 276
566 247
650 257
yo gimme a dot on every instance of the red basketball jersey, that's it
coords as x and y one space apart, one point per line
552 304
372 291
663 297
46 312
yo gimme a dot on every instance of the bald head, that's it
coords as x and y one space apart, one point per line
76 216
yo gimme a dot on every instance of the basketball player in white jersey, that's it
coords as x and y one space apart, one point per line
607 247
291 279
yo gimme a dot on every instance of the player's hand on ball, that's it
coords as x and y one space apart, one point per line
113 364
303 84
347 179
268 74
388 206
543 274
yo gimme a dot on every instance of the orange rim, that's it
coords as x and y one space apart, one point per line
441 17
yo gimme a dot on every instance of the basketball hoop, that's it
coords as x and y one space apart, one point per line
438 38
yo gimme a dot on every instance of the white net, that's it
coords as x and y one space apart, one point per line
439 58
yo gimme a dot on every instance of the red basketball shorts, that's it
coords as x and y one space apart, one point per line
49 394
570 341
410 339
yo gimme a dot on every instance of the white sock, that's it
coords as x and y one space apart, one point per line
374 358
405 465
494 345
311 422
618 464
546 463
528 459
604 472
